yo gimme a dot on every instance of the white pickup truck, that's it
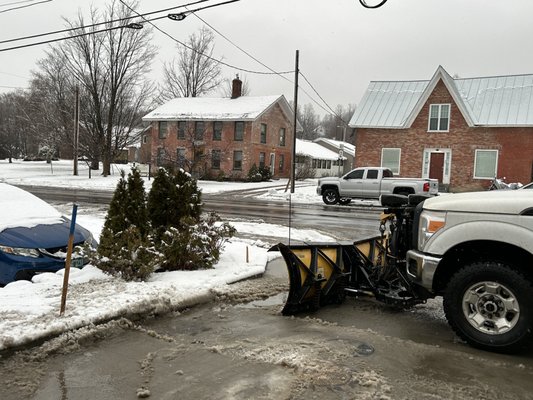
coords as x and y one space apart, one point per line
371 182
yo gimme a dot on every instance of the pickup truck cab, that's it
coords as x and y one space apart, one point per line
371 183
476 250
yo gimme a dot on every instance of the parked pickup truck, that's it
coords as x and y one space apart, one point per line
476 250
371 182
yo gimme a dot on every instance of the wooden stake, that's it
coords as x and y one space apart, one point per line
67 261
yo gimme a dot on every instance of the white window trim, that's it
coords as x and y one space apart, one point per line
438 118
495 166
399 158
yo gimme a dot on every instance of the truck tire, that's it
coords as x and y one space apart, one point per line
343 201
489 305
330 196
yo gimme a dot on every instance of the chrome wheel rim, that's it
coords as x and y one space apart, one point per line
491 307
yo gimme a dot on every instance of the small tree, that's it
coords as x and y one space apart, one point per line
174 196
196 245
125 247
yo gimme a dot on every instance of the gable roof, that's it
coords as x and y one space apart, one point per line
244 108
314 150
485 101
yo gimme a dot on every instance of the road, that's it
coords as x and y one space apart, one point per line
240 347
342 222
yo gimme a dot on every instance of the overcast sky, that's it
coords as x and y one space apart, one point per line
342 45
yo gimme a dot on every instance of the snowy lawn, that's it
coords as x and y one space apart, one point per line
30 310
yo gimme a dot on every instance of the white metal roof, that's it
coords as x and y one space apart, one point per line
485 101
337 144
314 150
247 108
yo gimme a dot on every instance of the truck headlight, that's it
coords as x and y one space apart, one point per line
430 223
20 251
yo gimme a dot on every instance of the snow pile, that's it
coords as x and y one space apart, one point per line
29 311
19 208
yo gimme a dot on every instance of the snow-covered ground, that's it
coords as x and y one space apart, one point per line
30 310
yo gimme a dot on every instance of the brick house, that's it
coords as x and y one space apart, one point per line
221 137
463 132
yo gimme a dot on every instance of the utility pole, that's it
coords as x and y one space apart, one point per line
293 161
76 130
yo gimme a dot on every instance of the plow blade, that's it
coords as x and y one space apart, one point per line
323 273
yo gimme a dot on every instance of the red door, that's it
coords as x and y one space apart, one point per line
436 166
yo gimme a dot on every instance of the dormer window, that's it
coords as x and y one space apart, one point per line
439 118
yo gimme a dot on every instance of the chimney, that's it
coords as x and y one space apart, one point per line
236 87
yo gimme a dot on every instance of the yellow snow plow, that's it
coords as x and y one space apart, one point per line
324 273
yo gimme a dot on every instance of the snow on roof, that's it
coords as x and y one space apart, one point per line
337 144
19 208
215 108
483 101
314 150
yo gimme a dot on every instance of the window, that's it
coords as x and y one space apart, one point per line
390 158
199 128
372 174
281 161
217 130
263 133
145 139
261 160
162 129
282 136
328 164
160 156
356 174
439 117
485 164
313 163
215 159
239 131
180 157
182 126
237 160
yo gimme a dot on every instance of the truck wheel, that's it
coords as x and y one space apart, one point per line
489 305
345 201
330 196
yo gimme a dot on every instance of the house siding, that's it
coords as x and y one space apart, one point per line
515 146
250 146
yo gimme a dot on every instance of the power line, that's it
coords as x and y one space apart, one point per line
135 26
16 2
202 54
244 51
330 111
27 5
99 23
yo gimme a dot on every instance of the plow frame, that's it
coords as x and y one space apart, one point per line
324 273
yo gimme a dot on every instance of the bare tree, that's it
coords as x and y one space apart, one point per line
309 121
336 126
111 68
51 103
12 143
195 72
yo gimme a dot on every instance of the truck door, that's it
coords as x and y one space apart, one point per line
371 181
352 183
